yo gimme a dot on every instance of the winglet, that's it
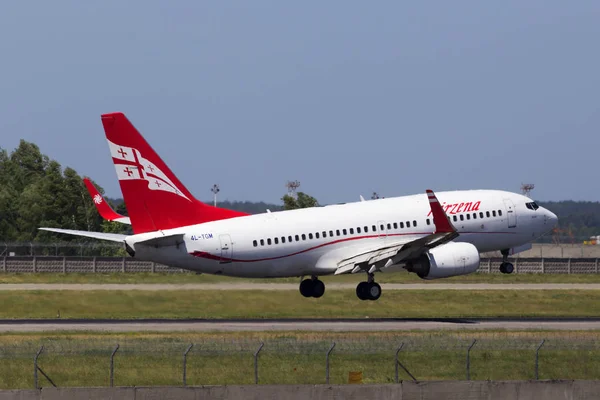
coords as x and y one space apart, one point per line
102 206
441 221
362 198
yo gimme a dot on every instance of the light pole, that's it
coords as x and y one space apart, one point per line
215 189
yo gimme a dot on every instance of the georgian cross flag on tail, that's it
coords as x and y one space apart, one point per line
130 165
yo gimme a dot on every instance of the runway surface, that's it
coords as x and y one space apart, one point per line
294 286
332 325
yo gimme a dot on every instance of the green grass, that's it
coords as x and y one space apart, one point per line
398 277
284 304
82 359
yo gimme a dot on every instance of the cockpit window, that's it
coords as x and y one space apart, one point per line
532 206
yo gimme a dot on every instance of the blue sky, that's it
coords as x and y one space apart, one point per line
348 97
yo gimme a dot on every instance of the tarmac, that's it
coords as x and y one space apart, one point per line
293 286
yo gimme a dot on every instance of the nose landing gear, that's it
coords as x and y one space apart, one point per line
505 266
369 290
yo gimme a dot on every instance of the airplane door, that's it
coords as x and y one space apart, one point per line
226 249
510 213
382 229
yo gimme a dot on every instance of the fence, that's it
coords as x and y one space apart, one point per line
103 249
127 264
293 360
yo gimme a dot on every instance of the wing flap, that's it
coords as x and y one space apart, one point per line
381 257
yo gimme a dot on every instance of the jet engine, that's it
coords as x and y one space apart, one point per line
447 260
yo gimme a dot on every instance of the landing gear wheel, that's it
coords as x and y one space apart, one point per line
362 290
306 287
374 291
318 288
507 268
368 291
312 288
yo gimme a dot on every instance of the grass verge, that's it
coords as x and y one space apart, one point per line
273 304
82 359
397 277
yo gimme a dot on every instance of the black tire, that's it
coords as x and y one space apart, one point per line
306 287
502 268
318 288
509 268
361 290
374 291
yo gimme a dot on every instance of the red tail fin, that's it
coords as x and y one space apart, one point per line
154 196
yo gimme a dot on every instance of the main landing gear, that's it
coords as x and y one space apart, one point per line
369 290
312 287
505 266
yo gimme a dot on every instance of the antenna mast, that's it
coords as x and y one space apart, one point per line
215 189
292 186
526 188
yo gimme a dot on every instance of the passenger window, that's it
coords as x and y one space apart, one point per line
408 224
395 225
276 240
358 230
324 234
366 229
269 241
487 213
469 216
427 220
481 215
255 243
317 235
382 227
352 231
283 239
474 215
330 233
297 238
414 223
500 212
401 225
454 218
337 232
374 228
262 242
389 226
494 213
344 232
290 239
303 236
462 217
310 236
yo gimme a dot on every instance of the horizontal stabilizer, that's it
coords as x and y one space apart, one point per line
113 237
163 241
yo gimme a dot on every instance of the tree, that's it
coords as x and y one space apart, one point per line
301 201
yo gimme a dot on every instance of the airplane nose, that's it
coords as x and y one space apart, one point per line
551 218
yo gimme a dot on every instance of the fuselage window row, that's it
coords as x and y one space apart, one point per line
365 229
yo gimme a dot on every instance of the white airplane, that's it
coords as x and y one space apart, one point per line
434 239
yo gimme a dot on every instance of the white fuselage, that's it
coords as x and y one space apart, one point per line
312 241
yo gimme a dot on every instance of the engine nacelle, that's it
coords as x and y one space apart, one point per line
450 259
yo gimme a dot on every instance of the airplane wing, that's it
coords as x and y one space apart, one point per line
385 255
113 237
102 205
